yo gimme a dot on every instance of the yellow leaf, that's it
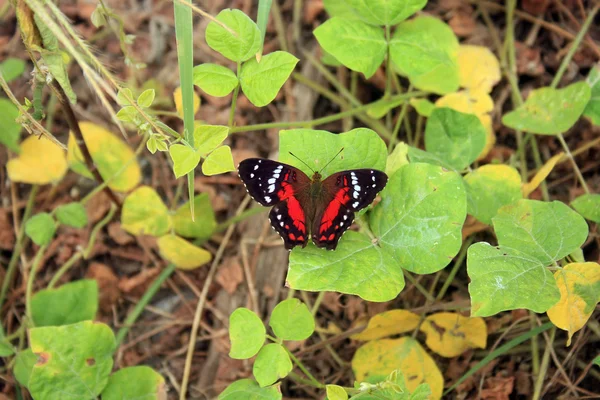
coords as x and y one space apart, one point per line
579 285
144 213
39 163
374 361
541 175
451 334
182 253
490 139
115 161
179 102
478 68
389 323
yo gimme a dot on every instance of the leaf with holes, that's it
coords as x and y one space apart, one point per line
144 213
272 363
420 217
218 162
549 111
262 81
216 80
246 332
247 389
238 40
291 320
135 383
359 46
451 334
74 359
70 303
357 266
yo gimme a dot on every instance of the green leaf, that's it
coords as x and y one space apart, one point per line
397 158
335 392
416 155
272 363
24 363
40 228
74 359
185 159
291 320
455 137
491 187
122 96
209 137
357 266
214 79
238 43
329 60
146 98
127 114
597 360
549 111
425 49
363 148
357 45
503 278
262 81
592 109
423 106
72 302
545 231
72 214
420 217
247 389
151 144
9 134
97 17
135 383
12 68
204 223
246 332
588 205
340 8
144 213
386 12
218 162
6 347
382 107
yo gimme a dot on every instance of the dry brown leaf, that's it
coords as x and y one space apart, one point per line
107 285
499 388
7 235
117 234
230 274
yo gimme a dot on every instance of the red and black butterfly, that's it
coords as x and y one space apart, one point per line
302 206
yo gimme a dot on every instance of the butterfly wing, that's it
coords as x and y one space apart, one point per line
344 193
272 183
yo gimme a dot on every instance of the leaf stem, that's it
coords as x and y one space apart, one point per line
455 267
419 287
234 98
584 185
299 364
539 381
28 291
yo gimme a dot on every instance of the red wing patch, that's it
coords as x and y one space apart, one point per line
289 220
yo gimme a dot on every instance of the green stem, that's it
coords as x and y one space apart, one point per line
539 381
143 302
419 287
29 290
299 364
535 351
12 264
234 98
455 267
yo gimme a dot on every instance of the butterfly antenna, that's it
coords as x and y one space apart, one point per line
330 161
298 158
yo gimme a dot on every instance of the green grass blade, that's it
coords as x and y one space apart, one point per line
264 8
185 56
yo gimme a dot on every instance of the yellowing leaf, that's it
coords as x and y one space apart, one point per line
144 213
374 361
490 139
451 334
179 102
579 285
478 68
182 253
541 175
39 163
389 323
114 159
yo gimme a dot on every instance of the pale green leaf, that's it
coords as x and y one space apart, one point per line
335 392
423 106
218 162
204 223
240 41
122 96
12 68
592 109
144 213
385 12
9 134
246 332
216 80
24 363
209 137
146 98
272 363
262 81
291 320
185 159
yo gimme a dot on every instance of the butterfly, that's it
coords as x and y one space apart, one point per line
323 209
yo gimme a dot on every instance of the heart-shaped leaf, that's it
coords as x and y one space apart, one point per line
185 159
209 137
291 320
588 205
247 389
385 12
218 162
451 334
135 383
238 40
72 214
40 228
29 167
216 80
272 363
262 81
144 213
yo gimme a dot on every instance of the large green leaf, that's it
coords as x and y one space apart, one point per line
545 231
247 389
272 363
549 111
426 50
503 278
291 320
592 109
9 134
74 361
588 205
357 45
240 41
363 148
420 217
455 137
357 267
246 332
261 81
386 12
144 213
135 383
204 223
72 302
214 79
490 187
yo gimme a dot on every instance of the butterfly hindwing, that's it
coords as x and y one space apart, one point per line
345 193
271 182
288 219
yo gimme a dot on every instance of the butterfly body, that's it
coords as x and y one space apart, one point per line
303 208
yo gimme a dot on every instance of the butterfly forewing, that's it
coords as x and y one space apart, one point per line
345 193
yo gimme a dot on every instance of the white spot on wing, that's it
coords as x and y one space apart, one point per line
355 204
357 188
278 216
271 188
256 167
355 195
251 175
267 199
272 180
